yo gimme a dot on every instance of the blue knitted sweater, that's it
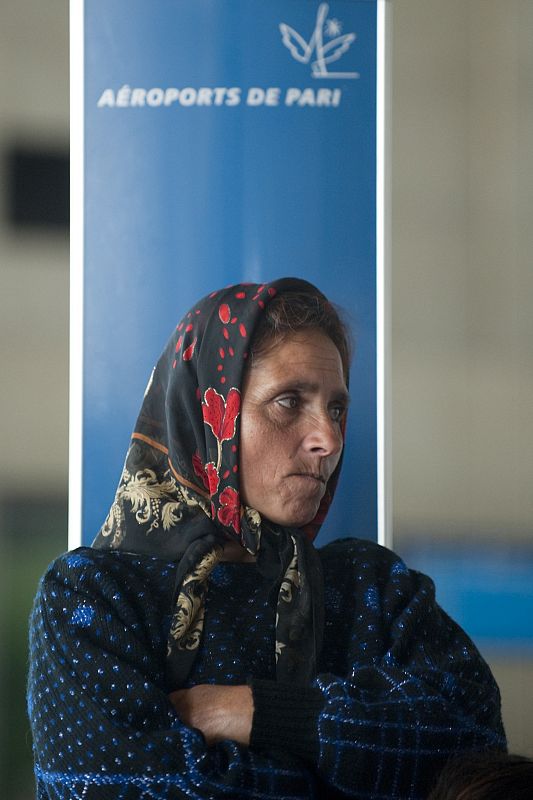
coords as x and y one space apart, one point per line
400 686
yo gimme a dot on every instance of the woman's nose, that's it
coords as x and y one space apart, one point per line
324 436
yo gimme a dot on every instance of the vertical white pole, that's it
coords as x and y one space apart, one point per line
76 271
383 123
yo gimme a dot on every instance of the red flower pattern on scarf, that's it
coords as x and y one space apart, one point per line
208 474
229 513
212 478
221 415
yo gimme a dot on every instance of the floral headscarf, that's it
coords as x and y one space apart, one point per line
178 496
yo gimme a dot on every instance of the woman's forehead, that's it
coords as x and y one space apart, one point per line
307 358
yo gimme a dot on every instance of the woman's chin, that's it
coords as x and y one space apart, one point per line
294 518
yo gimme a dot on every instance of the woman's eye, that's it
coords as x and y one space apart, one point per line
288 402
336 413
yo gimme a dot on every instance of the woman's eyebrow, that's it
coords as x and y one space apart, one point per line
343 397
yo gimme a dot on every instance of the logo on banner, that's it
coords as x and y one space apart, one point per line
324 52
327 44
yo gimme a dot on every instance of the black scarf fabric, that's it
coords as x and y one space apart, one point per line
178 496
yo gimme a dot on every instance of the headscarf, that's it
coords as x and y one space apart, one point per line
178 496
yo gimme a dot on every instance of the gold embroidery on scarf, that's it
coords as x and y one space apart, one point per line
160 503
289 584
188 621
291 579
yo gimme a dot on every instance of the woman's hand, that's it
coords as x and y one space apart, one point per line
219 712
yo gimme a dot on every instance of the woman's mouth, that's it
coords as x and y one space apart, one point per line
310 476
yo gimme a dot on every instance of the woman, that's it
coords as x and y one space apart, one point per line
203 647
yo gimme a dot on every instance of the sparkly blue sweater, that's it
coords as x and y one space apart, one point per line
400 686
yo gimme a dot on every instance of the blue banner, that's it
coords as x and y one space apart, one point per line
224 141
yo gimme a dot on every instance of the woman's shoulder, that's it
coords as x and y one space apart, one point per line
108 573
78 560
83 559
361 552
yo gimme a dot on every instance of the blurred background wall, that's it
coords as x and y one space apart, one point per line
462 322
462 328
34 130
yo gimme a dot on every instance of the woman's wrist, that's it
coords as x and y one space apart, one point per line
219 712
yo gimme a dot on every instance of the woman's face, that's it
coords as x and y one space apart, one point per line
294 400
